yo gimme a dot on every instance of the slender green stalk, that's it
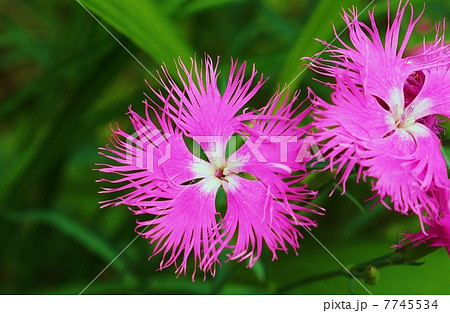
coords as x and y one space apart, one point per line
406 255
308 280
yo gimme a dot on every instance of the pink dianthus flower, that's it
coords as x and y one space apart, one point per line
383 116
437 232
174 190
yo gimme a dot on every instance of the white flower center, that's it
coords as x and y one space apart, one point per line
404 120
403 117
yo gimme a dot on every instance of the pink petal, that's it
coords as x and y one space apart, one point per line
407 164
377 64
434 96
276 141
437 233
199 108
344 126
148 159
181 221
257 214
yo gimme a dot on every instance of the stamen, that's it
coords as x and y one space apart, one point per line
222 174
219 174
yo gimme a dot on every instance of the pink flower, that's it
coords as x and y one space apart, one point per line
383 116
438 232
175 191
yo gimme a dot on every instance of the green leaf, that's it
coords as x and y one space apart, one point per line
76 231
305 45
200 5
446 152
100 288
260 271
144 23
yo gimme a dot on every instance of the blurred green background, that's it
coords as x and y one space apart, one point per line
64 80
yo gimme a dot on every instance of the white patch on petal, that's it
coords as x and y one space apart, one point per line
419 130
396 102
421 107
203 169
390 121
404 134
210 184
232 182
233 164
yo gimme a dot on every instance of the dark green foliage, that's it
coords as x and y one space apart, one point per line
64 80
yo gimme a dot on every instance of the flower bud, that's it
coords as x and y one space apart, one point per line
371 275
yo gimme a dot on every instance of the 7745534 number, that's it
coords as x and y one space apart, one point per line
411 304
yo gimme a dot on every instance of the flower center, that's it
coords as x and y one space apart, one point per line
400 100
403 121
222 173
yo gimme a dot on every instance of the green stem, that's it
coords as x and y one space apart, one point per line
406 255
308 280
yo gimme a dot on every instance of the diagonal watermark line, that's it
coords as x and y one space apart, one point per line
314 237
304 227
131 242
135 238
118 41
336 259
316 55
324 49
123 46
113 260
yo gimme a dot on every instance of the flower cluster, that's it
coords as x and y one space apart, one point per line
383 123
383 119
175 190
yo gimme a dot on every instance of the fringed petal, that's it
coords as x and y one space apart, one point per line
181 223
263 215
437 233
199 108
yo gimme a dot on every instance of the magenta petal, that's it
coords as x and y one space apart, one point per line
437 233
182 222
257 214
434 96
146 160
375 62
407 164
199 108
344 129
276 144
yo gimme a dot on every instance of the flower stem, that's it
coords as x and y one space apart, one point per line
405 255
308 280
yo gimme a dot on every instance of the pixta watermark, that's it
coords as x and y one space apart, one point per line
148 149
